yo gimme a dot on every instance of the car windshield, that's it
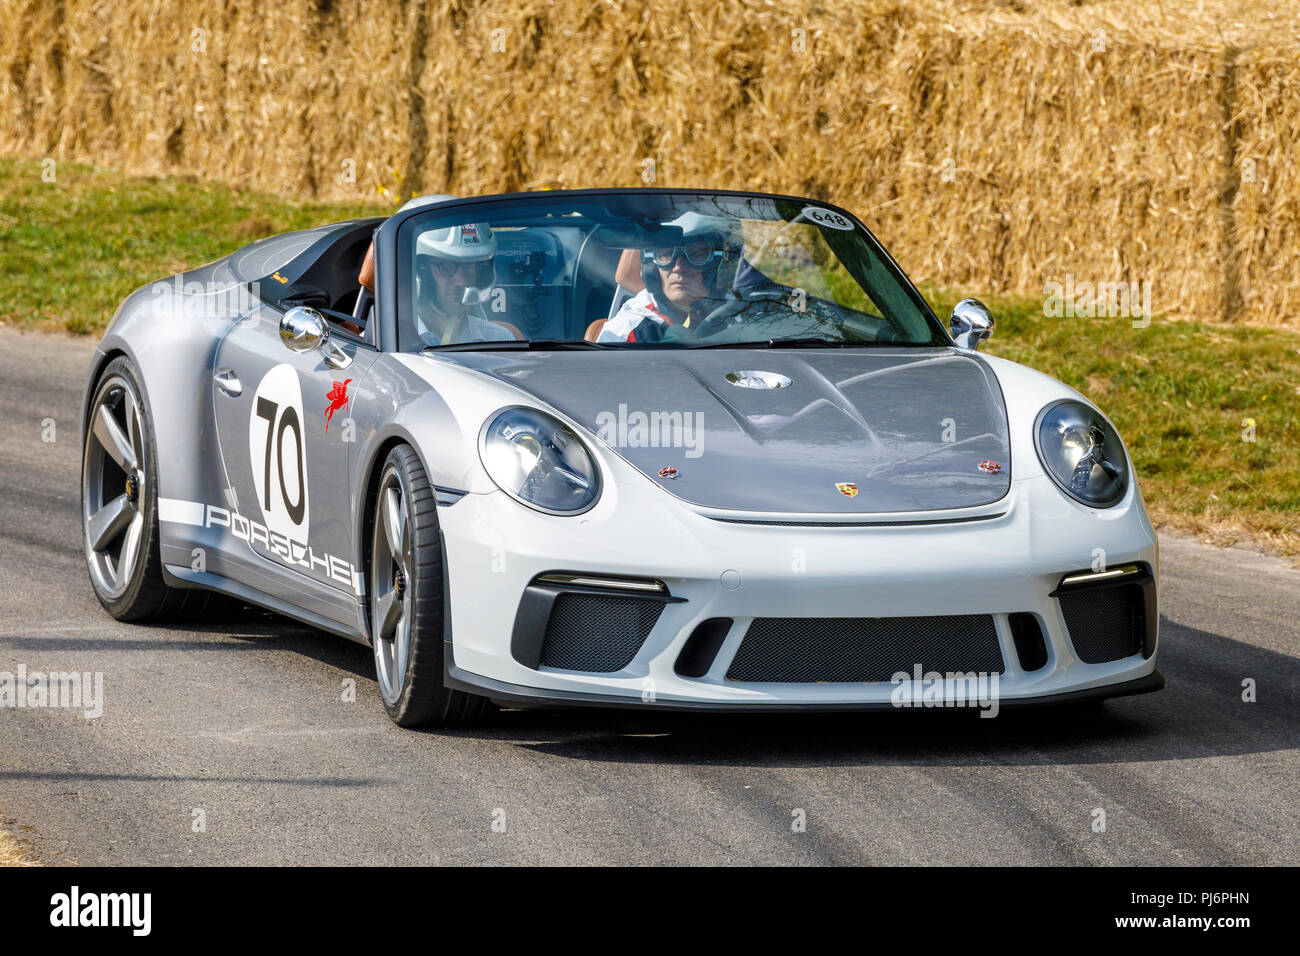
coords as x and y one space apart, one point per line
646 269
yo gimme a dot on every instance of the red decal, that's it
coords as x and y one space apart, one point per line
338 397
651 307
992 467
667 472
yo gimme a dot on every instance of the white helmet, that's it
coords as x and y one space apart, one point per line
695 225
719 267
472 242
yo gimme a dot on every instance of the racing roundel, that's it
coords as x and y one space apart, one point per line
826 217
277 448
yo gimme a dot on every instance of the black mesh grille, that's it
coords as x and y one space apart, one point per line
808 650
591 632
1105 624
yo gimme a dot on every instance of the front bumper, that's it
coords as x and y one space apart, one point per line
517 696
1008 562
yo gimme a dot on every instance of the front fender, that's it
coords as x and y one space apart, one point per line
173 352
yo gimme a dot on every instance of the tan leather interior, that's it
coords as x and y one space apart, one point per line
593 330
367 276
628 273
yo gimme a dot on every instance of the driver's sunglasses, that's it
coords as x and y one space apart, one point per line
448 267
697 254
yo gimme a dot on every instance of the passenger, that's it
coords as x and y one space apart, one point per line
453 277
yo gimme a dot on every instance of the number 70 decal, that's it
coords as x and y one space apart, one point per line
278 453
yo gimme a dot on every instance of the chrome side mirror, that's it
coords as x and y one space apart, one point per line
970 323
303 329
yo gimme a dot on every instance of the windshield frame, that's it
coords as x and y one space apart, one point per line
388 298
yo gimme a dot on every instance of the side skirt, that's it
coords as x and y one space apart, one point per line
183 577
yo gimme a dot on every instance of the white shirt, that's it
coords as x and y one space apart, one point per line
638 320
473 327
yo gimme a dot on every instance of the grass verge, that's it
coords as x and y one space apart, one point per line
72 249
1210 413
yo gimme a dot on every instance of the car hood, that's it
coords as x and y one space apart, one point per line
909 429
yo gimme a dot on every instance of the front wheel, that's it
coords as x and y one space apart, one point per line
119 505
407 600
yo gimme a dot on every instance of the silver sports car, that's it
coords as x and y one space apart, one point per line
650 448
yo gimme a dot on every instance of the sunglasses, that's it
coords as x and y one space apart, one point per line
696 254
447 268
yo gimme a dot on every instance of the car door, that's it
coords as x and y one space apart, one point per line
284 432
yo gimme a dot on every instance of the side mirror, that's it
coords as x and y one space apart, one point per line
303 329
970 323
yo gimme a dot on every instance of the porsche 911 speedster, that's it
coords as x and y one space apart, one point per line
647 448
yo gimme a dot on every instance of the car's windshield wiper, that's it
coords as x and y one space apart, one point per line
517 345
804 342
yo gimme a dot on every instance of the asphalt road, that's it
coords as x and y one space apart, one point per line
243 719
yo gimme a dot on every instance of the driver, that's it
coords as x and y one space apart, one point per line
682 282
453 277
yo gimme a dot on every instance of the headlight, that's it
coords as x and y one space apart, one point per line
1082 452
538 460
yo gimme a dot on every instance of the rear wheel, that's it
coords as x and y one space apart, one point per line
407 601
119 504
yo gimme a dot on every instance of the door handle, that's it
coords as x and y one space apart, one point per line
228 382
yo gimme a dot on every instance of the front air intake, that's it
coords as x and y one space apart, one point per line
1110 614
1027 634
702 647
1105 624
597 633
848 649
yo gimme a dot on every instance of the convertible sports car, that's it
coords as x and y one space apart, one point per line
653 448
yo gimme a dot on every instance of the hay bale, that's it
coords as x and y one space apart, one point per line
990 147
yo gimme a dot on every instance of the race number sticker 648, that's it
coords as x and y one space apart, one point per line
825 217
278 452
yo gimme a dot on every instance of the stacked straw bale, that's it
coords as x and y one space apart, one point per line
991 146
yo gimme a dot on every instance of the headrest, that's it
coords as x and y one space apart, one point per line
367 276
628 273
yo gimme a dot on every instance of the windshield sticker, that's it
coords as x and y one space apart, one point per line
825 217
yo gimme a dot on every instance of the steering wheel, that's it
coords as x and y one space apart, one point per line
726 314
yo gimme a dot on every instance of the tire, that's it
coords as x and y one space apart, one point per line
119 505
407 602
